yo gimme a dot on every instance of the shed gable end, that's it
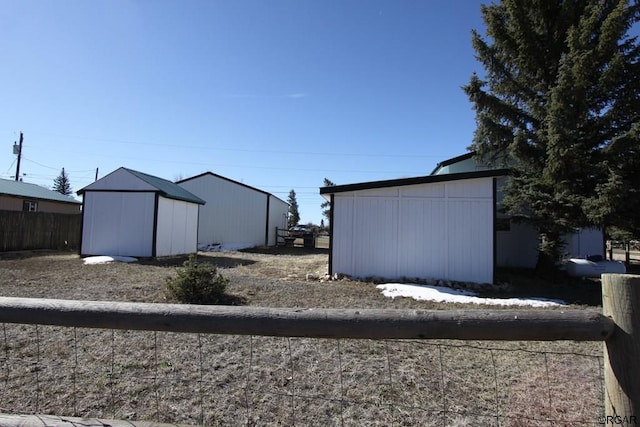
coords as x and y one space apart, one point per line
121 180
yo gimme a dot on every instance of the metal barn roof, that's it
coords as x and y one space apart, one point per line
412 181
166 188
169 189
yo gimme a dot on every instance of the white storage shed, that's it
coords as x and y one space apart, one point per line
130 213
236 213
432 227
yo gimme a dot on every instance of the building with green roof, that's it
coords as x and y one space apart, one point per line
26 197
130 213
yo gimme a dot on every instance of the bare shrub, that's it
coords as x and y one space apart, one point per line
196 284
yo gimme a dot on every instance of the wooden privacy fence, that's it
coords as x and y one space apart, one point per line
39 230
618 327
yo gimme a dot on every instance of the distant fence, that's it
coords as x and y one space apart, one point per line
39 230
618 327
311 239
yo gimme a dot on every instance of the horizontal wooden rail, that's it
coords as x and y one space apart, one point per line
9 420
512 325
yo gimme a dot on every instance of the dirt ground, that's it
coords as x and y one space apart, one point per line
235 380
282 277
269 277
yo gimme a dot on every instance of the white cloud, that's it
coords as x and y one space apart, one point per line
296 95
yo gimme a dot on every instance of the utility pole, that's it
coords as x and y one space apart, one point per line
17 149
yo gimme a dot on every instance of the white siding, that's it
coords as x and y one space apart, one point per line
376 236
116 223
469 225
278 210
438 230
177 227
343 240
233 213
423 236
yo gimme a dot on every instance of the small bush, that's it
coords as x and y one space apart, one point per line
196 284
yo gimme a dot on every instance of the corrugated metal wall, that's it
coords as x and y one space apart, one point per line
118 223
278 210
177 227
438 230
233 213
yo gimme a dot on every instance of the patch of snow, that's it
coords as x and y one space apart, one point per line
443 294
104 259
224 247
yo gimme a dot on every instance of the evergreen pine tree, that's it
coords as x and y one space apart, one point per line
61 184
326 206
559 105
294 215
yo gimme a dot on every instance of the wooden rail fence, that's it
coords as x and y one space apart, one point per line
618 327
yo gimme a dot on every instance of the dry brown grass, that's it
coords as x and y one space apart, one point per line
236 380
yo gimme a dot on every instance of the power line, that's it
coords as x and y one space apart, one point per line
286 186
57 169
210 165
10 167
244 150
226 165
39 164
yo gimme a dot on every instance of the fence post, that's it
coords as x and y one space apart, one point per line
621 301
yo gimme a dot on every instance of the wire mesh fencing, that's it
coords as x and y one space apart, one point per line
207 379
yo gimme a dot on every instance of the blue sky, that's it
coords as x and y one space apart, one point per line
277 94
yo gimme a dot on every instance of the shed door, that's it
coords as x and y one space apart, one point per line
116 223
436 230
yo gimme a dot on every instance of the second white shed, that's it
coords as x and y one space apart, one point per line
130 213
235 212
432 227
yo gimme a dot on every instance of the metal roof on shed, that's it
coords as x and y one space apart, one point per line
166 188
412 181
33 191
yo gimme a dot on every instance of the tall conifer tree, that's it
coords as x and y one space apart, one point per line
294 215
326 206
559 104
61 184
